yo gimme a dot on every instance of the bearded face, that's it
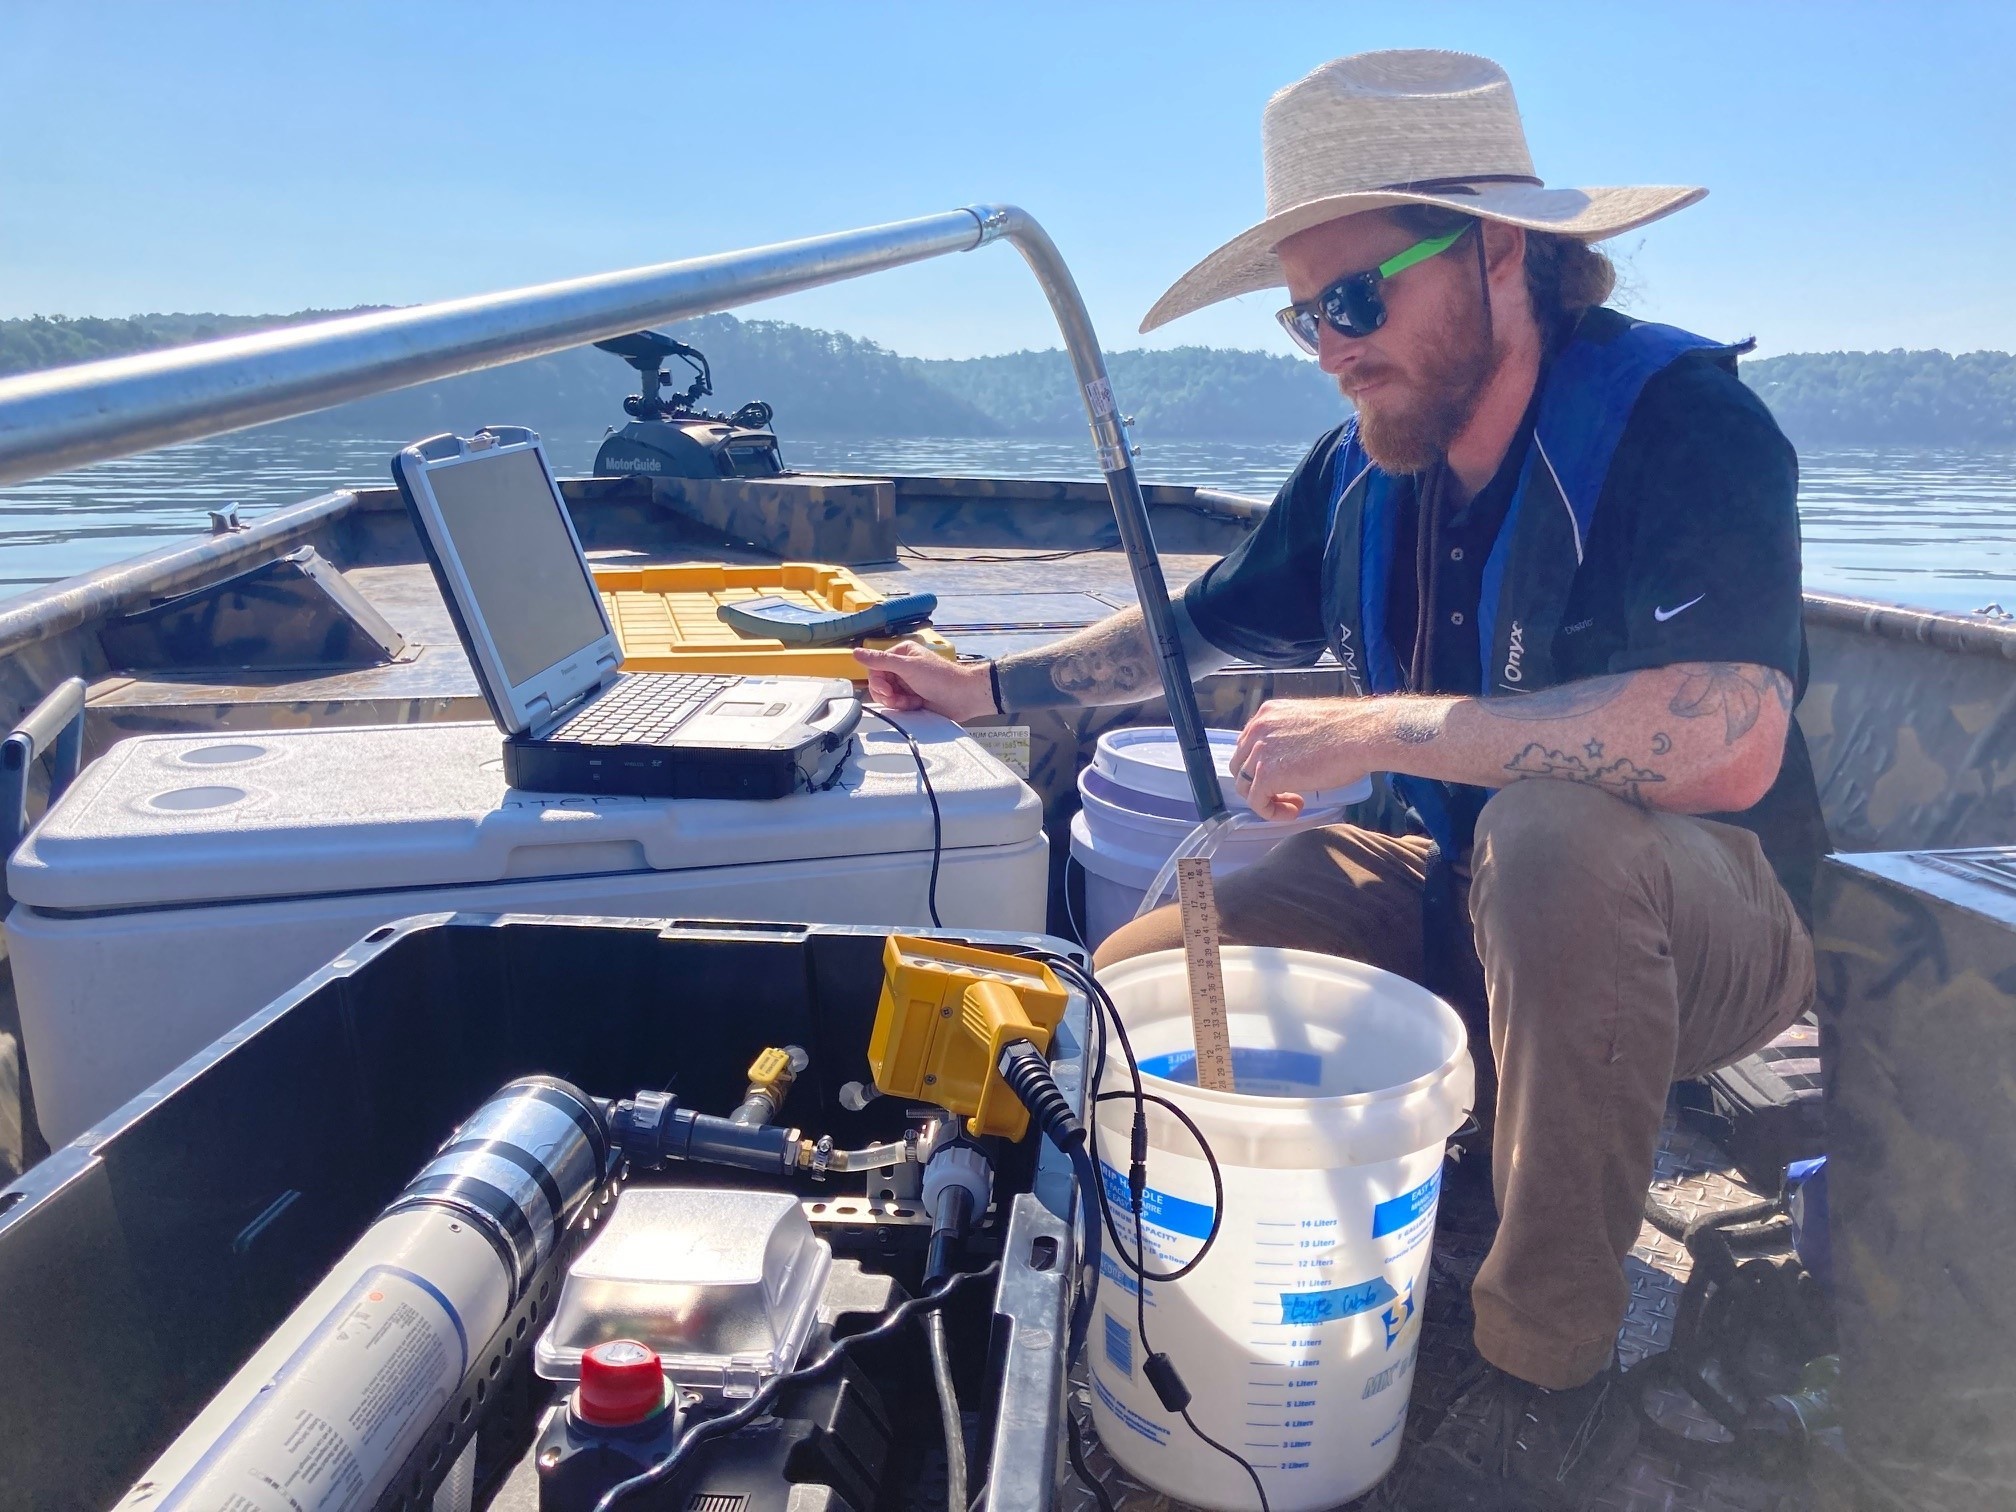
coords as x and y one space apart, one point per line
1417 380
1409 412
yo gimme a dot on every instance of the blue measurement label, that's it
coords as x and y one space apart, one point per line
1396 1213
1163 1210
1336 1301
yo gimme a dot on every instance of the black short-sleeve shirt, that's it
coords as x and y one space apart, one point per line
1693 556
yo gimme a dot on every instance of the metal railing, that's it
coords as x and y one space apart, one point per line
53 729
67 417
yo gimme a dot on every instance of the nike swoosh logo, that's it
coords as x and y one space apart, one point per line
1663 615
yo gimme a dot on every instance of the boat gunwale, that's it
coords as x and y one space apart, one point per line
70 603
43 613
1938 628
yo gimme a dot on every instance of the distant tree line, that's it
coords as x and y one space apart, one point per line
823 383
1895 398
1207 392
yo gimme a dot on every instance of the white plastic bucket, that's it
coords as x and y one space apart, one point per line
1296 1336
1135 809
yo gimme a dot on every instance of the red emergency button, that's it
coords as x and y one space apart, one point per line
622 1382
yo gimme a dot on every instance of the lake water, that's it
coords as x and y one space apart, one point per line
1935 528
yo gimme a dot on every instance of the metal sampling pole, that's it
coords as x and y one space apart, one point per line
67 417
1130 510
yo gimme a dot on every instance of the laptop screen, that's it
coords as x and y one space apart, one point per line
523 570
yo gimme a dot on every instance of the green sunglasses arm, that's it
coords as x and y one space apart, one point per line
1420 252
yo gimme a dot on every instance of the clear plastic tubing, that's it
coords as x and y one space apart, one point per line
1201 841
874 1157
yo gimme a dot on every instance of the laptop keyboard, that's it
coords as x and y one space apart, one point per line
642 709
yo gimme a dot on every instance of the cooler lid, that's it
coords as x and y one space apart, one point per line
1148 759
173 819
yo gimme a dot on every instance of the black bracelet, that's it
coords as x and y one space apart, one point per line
994 683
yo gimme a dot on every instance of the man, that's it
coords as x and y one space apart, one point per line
1556 552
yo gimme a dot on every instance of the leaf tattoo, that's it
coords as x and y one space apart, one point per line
1735 690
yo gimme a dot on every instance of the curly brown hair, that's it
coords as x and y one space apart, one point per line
1564 276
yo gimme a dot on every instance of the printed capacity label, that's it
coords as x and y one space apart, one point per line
340 1417
1007 744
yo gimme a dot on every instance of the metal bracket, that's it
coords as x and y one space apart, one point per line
865 1212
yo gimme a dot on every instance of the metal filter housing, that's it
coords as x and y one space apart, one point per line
519 1169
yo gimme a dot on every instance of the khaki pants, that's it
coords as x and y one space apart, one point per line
1621 949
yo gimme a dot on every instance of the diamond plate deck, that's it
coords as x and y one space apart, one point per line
1691 1177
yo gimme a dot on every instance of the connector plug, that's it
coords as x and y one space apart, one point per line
946 1013
1170 1391
1027 1075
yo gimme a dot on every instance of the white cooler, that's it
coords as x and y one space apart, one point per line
185 881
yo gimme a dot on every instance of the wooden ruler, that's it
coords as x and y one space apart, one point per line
1197 902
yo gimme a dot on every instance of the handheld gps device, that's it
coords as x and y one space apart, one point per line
774 618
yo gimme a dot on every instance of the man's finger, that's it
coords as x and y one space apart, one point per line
1260 791
1242 750
892 692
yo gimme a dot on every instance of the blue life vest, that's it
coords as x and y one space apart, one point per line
1587 397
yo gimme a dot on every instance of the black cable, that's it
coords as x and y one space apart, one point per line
1217 1183
937 817
714 1428
1103 1009
948 1412
1159 1369
1022 1066
904 548
1076 1444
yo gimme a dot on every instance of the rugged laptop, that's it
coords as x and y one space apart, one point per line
503 549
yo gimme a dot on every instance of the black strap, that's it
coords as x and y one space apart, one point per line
1461 184
1729 1305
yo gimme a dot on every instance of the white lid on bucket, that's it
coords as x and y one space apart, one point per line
1147 759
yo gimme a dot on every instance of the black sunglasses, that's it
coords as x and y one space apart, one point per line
1352 306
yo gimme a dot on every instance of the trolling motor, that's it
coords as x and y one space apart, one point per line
669 436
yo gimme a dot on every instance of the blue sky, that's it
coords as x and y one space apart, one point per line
262 157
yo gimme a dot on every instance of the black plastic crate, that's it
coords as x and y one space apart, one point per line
143 1263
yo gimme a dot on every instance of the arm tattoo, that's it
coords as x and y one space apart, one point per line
1581 697
1111 662
1735 690
1413 727
1623 776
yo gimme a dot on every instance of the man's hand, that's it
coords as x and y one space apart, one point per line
1690 738
1293 747
907 677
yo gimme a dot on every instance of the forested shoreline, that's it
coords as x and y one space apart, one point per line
824 383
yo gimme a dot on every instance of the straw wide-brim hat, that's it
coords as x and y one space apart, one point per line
1401 128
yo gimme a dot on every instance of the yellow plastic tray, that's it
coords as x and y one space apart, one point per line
665 619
